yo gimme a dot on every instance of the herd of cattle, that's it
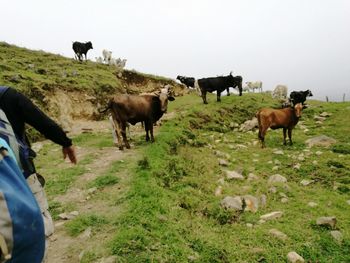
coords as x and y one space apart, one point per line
149 108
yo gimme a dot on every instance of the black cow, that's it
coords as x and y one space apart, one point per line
219 84
188 81
80 49
299 96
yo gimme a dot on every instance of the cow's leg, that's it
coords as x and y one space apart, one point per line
118 132
146 129
284 136
125 139
204 96
151 130
218 94
228 91
290 136
262 133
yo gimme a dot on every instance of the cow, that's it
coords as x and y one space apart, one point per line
188 81
107 56
280 92
254 85
81 49
148 108
285 118
219 84
299 96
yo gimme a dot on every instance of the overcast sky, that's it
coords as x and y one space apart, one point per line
304 44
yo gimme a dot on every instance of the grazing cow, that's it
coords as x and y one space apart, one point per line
285 118
280 92
255 85
132 109
107 56
219 84
299 96
81 49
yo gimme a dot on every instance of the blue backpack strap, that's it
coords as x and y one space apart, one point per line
2 90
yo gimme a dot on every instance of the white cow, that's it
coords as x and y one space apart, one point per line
255 85
107 55
280 92
119 63
99 60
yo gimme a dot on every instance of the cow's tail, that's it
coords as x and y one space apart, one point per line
109 106
257 115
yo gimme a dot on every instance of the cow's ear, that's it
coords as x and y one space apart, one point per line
171 98
305 106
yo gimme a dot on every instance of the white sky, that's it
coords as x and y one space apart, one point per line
304 44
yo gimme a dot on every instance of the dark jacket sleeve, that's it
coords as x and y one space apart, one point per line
33 116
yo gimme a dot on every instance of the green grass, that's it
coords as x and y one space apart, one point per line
173 215
82 222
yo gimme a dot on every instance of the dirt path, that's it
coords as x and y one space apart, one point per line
67 249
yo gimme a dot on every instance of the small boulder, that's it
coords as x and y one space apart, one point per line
233 175
328 221
276 178
337 235
278 234
232 203
271 216
294 257
322 140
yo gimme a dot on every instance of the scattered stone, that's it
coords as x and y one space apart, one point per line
330 221
294 257
271 216
273 190
249 225
325 114
221 181
233 175
312 204
348 202
319 118
252 177
63 216
337 235
278 234
277 162
86 234
322 140
284 200
318 153
276 178
261 221
278 152
74 213
223 162
263 200
162 218
233 203
257 250
275 168
249 125
252 203
314 162
297 166
111 259
92 190
218 190
306 182
59 224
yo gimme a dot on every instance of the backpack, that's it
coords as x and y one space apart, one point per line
22 235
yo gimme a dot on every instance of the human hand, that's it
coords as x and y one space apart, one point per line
70 151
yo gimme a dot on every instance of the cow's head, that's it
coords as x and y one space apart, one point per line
164 96
89 45
297 109
238 82
309 93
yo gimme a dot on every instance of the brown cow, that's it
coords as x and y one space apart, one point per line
285 118
146 108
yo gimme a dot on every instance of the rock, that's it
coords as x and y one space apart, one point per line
312 204
249 125
63 216
252 203
314 162
325 114
252 177
297 166
329 221
249 225
278 234
233 175
277 162
319 118
221 181
348 202
284 200
306 182
59 224
223 162
318 153
276 178
294 257
111 259
273 190
275 168
92 190
337 235
218 191
86 234
232 203
278 152
263 200
322 140
74 213
271 216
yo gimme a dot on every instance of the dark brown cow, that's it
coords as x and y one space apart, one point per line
132 109
285 118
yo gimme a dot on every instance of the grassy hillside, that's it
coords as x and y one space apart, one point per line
40 75
166 211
